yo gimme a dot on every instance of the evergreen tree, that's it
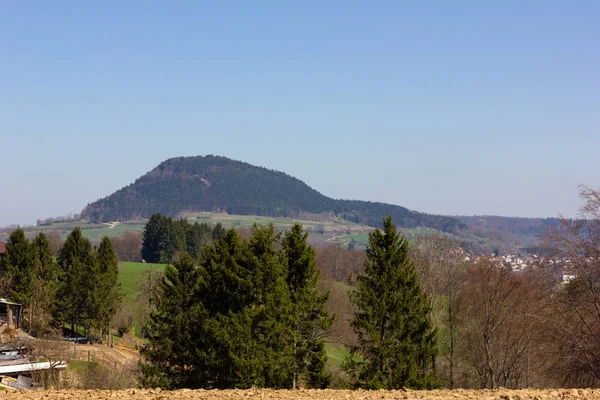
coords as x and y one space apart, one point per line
176 355
77 271
272 327
311 320
396 340
218 231
18 265
107 294
227 323
45 283
155 246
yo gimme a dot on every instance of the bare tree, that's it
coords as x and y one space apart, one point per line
578 302
128 246
501 314
339 264
148 290
441 266
55 239
55 351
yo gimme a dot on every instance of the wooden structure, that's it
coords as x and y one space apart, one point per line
10 313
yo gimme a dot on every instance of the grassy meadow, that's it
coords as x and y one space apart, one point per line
130 274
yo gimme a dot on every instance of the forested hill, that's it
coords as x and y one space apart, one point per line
523 228
214 183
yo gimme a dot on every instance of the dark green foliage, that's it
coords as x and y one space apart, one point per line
164 238
76 280
273 322
396 340
160 240
45 284
107 294
214 183
18 265
175 356
230 322
311 320
80 287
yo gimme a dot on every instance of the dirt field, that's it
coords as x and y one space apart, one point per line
500 394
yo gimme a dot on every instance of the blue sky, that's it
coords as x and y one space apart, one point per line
464 107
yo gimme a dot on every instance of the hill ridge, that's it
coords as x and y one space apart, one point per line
216 183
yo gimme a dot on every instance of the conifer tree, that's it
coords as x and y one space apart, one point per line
77 270
177 353
154 240
272 327
45 283
311 320
396 340
17 264
230 302
107 295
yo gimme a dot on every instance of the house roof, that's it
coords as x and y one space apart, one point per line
4 301
2 247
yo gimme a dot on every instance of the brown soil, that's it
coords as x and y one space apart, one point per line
107 356
500 394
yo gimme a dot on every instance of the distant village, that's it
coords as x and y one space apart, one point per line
560 267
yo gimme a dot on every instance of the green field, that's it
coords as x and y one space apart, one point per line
360 238
130 274
321 228
335 355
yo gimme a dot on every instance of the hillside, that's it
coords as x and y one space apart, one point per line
219 184
524 229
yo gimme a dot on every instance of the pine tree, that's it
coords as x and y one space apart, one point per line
153 246
272 327
227 323
396 340
107 295
45 283
163 238
311 320
176 355
77 271
231 304
18 265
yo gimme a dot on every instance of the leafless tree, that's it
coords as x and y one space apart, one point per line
128 246
148 290
339 264
501 314
53 350
55 240
578 303
440 262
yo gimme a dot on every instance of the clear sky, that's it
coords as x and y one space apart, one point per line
450 107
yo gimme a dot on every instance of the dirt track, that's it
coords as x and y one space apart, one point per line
500 394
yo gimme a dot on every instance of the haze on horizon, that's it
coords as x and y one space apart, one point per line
442 107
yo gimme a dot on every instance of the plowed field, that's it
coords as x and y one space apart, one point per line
500 394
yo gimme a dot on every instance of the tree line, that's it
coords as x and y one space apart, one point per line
164 237
249 313
78 287
426 315
255 309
